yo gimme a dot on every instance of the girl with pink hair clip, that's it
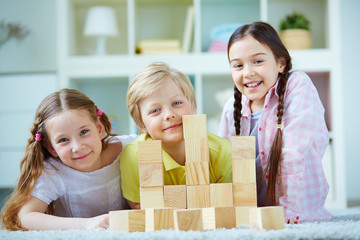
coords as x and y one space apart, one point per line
69 175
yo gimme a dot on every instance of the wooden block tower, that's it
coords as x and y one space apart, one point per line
198 205
151 174
197 161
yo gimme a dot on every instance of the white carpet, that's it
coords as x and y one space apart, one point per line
344 225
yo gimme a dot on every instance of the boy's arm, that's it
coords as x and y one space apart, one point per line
32 216
129 172
134 205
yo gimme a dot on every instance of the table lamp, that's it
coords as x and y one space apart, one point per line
101 23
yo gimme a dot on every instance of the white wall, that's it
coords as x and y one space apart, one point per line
38 51
350 37
27 75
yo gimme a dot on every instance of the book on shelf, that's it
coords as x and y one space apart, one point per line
188 30
158 46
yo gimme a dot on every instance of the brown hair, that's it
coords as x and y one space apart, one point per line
36 153
266 34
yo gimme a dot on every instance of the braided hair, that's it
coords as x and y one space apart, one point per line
266 34
32 164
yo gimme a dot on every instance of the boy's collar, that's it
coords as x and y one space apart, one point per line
169 163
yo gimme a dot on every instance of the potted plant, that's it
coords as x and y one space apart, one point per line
295 31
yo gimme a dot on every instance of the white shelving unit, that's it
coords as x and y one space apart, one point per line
105 78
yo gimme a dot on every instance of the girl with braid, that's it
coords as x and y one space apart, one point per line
69 175
282 109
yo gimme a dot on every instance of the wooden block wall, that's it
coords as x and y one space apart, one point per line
244 170
197 173
242 215
198 196
197 150
243 147
175 196
221 195
127 220
194 126
245 194
151 174
149 152
219 217
268 218
188 219
151 197
158 219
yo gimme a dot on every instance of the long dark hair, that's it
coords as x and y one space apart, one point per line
266 34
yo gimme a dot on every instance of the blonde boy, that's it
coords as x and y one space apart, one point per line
157 98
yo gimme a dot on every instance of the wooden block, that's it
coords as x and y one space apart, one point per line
243 147
159 218
149 152
188 219
197 173
221 195
151 174
244 170
268 218
245 194
127 220
151 197
198 196
194 126
175 196
219 217
197 150
242 215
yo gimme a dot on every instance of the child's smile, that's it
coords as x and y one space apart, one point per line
162 112
254 69
76 139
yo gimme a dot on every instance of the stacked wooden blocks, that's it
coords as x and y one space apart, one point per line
197 161
198 205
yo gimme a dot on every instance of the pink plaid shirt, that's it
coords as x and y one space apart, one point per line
302 187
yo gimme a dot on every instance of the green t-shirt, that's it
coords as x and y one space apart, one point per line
220 166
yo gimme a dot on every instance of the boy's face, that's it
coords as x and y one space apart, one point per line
162 111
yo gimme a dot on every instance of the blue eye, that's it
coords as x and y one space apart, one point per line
83 132
63 140
155 110
176 103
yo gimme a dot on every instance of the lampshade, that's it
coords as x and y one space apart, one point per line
100 21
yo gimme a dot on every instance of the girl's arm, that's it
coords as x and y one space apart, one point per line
303 186
226 127
32 216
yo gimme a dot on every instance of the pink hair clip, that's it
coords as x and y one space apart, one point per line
99 112
38 137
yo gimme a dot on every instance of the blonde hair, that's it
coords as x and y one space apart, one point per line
149 80
36 153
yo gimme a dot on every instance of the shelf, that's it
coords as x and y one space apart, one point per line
167 19
227 12
109 95
82 45
314 10
313 60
